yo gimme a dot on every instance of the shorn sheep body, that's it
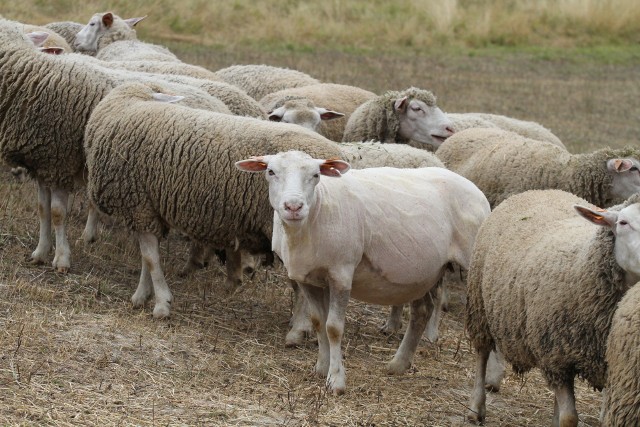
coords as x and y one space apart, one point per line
622 393
543 286
175 170
380 235
328 97
503 163
528 129
260 80
46 138
402 117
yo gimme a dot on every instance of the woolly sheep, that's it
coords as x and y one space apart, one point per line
503 163
260 80
47 140
199 191
103 29
622 393
333 100
380 235
543 286
528 129
67 30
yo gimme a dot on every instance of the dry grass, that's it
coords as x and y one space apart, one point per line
370 25
74 352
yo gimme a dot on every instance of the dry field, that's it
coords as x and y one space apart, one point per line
74 352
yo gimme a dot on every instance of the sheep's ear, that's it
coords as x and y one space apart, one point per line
163 97
277 114
107 19
52 50
132 22
328 114
619 165
400 104
38 37
334 168
254 164
598 216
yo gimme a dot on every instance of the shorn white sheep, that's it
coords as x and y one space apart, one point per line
381 235
104 29
543 286
503 163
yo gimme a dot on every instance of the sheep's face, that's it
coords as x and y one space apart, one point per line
87 38
292 178
422 123
304 114
625 174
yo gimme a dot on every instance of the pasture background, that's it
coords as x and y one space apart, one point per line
73 351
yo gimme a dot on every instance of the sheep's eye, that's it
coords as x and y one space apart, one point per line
316 175
416 108
622 222
92 24
271 172
633 168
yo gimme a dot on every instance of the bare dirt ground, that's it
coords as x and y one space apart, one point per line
74 352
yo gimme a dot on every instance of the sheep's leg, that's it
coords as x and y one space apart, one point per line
41 253
143 292
150 251
90 233
336 302
300 320
477 404
495 371
421 310
62 257
431 332
564 408
315 298
234 268
394 321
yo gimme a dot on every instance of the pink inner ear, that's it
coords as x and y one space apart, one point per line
622 165
400 103
252 165
107 19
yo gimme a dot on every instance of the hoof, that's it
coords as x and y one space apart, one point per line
397 367
162 311
294 339
138 300
62 270
390 328
492 388
36 261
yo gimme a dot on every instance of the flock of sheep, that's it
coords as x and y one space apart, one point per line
161 144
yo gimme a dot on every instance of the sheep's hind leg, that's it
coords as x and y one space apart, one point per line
477 404
62 258
338 299
143 292
90 233
436 295
39 256
234 269
394 321
421 310
564 409
495 371
150 251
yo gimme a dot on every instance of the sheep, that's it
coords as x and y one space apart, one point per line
197 190
46 138
543 286
44 37
621 402
525 128
503 163
367 235
260 80
400 117
102 30
67 30
334 101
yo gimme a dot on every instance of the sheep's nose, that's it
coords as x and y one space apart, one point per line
293 207
450 130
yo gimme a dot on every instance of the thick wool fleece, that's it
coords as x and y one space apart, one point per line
503 163
622 396
158 166
260 80
377 120
67 30
340 98
363 155
543 286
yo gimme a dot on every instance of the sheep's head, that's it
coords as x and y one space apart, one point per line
302 112
625 176
420 118
101 23
292 178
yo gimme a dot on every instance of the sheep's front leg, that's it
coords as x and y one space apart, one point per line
315 298
150 251
421 309
197 259
39 256
234 268
143 292
394 321
300 319
338 299
477 405
436 297
564 410
495 371
90 233
62 258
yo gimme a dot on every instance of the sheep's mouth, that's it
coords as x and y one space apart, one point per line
439 138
